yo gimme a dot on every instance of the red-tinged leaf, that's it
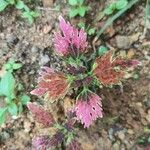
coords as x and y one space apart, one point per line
41 115
51 84
111 70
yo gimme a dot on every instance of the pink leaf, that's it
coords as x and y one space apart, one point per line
71 41
89 109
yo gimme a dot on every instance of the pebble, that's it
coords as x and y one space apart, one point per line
130 54
121 135
123 42
116 146
130 131
139 104
27 126
34 49
44 59
12 40
5 135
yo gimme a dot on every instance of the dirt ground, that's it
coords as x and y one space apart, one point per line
126 111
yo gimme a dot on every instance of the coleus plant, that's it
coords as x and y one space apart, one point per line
85 75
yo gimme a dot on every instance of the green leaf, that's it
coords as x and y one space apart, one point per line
81 2
91 31
81 25
20 108
16 66
30 15
73 2
34 14
8 66
110 9
12 2
25 99
82 10
7 85
121 4
73 12
102 50
20 4
3 112
13 109
3 5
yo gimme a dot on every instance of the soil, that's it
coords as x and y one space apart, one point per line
126 110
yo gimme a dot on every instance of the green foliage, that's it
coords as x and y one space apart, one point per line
19 4
114 17
7 86
11 65
115 6
147 17
78 8
102 50
13 95
88 29
2 115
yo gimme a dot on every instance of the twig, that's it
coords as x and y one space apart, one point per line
113 18
47 9
147 17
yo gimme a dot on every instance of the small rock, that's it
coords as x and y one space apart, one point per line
12 40
27 126
47 29
116 146
130 131
123 42
5 135
130 54
48 3
44 59
139 104
34 49
121 135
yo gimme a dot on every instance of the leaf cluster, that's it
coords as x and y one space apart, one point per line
78 8
88 29
9 89
120 4
27 13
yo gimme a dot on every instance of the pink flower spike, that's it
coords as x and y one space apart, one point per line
41 115
70 41
65 27
89 109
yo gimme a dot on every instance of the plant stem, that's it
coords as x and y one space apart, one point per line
147 16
